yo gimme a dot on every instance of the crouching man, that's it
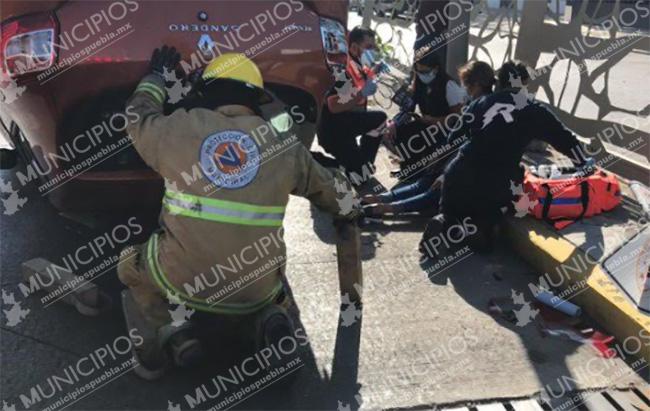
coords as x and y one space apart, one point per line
219 249
345 114
478 183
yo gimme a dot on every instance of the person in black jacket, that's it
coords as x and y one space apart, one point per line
477 182
439 99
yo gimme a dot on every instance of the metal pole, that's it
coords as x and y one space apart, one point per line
368 11
458 46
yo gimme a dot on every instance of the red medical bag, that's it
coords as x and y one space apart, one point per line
567 199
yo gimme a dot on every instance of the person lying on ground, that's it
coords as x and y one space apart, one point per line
418 196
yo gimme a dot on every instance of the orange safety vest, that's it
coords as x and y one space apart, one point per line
562 201
359 75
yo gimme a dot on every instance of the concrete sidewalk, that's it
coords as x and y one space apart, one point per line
416 342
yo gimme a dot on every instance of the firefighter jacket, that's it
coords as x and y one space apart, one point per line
228 178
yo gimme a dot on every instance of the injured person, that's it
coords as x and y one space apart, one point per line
418 196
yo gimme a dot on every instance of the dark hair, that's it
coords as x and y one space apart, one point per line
512 70
221 92
477 73
358 33
427 56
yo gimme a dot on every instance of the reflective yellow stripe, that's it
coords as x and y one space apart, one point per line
153 89
231 212
200 304
231 205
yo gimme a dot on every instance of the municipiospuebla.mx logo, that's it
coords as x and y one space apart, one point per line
526 313
11 199
520 100
176 91
346 197
16 313
11 92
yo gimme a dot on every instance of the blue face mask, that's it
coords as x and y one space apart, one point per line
426 78
368 57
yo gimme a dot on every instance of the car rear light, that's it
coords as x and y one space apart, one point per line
27 44
334 41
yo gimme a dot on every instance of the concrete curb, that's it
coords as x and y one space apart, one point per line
544 248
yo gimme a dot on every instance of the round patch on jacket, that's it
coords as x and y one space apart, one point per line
230 159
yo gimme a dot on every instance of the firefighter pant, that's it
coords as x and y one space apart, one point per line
132 272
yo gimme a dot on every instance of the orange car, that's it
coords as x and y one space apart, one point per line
67 68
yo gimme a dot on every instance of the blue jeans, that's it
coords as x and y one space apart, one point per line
417 196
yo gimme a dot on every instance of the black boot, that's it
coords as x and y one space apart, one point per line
442 235
186 350
183 346
275 330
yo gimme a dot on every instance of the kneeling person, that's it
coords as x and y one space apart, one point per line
477 183
223 229
345 115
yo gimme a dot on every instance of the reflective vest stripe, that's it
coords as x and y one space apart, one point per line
200 304
153 89
223 211
231 205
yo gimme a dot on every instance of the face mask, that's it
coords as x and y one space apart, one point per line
368 57
426 78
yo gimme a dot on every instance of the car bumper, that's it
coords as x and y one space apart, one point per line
110 191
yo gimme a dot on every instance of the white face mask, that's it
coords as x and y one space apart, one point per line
368 57
426 78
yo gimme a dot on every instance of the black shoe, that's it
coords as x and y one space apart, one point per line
272 325
275 331
325 161
442 226
186 350
435 227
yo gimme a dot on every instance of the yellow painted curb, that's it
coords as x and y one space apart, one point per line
545 249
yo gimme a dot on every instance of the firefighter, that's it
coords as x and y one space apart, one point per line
219 250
